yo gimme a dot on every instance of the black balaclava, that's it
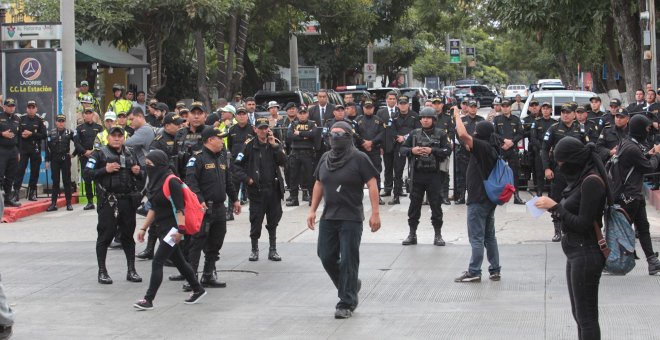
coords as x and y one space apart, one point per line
637 128
578 160
483 130
342 147
157 172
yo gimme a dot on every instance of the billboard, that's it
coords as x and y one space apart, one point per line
33 74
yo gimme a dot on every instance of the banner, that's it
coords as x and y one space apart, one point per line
33 74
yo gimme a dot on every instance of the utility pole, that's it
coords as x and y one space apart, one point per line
370 60
68 46
293 60
654 55
3 13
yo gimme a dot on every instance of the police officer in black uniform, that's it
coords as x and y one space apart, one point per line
527 163
462 154
9 129
612 135
258 167
238 134
208 176
593 112
339 114
446 123
427 147
403 124
59 158
588 128
83 141
32 132
509 127
608 117
540 125
189 139
302 160
164 141
116 171
567 126
372 129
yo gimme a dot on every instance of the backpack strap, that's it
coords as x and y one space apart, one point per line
602 244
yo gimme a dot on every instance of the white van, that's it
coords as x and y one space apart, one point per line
557 98
543 81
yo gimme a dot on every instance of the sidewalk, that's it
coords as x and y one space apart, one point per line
407 292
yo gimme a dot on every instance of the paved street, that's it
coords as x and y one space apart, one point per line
48 267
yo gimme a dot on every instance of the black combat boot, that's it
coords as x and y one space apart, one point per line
654 264
517 199
52 207
254 255
272 251
305 197
69 207
10 201
32 194
395 200
386 193
208 279
89 206
293 202
148 252
131 274
411 239
437 240
103 277
557 236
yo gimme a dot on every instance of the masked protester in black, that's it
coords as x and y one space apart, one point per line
161 216
581 206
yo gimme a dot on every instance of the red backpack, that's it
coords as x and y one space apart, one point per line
192 208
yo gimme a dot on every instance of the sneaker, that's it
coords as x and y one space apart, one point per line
195 297
144 304
495 276
467 277
343 313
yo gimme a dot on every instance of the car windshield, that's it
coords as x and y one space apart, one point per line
281 98
462 90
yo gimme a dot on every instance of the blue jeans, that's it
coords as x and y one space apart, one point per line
339 251
481 232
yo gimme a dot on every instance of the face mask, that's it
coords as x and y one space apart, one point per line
340 141
571 171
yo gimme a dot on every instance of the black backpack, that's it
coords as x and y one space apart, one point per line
615 173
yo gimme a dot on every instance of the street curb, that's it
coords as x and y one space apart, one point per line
31 208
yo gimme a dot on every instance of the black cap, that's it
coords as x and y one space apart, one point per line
10 102
261 121
506 102
162 107
241 109
464 101
60 118
31 102
534 102
302 109
289 105
115 129
594 98
198 105
180 104
403 99
89 109
615 101
209 132
622 112
546 104
581 108
567 107
368 102
172 118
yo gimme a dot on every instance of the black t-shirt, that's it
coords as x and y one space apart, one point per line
343 188
482 161
164 214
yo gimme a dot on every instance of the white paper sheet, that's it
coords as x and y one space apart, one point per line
169 238
533 210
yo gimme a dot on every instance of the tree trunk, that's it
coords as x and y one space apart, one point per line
629 40
202 86
565 69
252 77
154 81
221 84
240 52
231 53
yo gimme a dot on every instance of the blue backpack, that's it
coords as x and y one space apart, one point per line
499 184
618 245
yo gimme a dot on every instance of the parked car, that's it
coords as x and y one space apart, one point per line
448 91
557 98
359 92
380 94
514 90
552 86
482 94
